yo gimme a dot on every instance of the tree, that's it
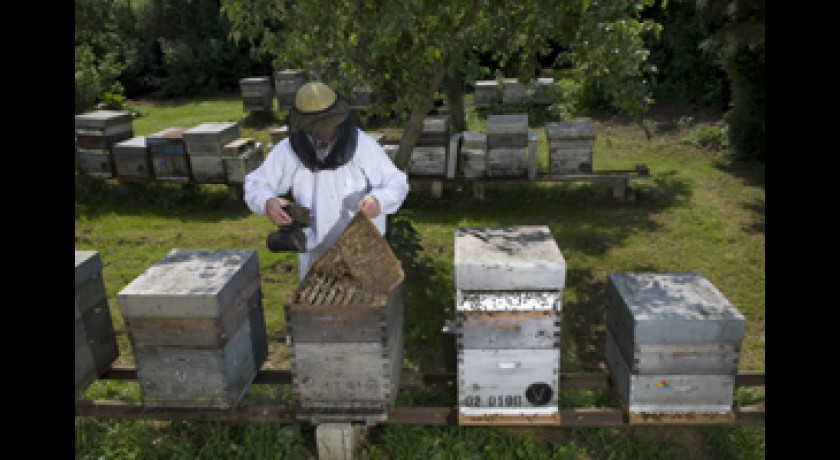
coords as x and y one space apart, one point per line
406 50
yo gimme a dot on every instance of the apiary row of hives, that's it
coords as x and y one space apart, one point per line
511 91
257 92
208 153
195 324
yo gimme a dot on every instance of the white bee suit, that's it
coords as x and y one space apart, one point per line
332 195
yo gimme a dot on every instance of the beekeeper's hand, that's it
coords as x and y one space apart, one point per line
370 206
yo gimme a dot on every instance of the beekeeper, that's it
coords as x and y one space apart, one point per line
329 165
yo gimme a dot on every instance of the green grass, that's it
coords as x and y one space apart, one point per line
700 211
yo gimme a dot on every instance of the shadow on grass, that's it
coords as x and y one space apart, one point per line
189 202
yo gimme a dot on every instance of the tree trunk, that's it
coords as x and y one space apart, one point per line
415 121
454 88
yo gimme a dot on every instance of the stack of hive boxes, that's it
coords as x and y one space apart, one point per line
241 156
360 97
514 92
540 90
672 345
196 327
474 154
96 133
570 146
96 343
132 159
429 157
344 326
256 93
509 283
286 84
205 143
486 93
507 145
169 155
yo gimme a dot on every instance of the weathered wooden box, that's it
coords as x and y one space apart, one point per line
132 158
514 92
207 169
676 330
209 139
98 120
196 327
507 131
344 326
667 393
473 154
96 343
507 161
570 146
170 162
205 143
436 131
541 90
428 161
514 258
286 84
257 93
95 162
278 134
360 97
238 166
486 93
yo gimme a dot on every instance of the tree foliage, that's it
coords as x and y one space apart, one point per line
403 50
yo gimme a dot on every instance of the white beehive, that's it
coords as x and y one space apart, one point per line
509 283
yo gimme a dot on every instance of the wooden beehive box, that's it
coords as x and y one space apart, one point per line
196 327
570 146
509 283
486 93
239 165
169 155
507 131
673 343
286 84
344 326
96 343
257 93
428 161
132 158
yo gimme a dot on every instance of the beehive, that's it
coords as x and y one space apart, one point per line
238 165
673 343
256 93
96 343
474 154
507 145
486 93
514 91
570 146
196 327
344 326
132 158
286 84
96 132
204 144
169 155
509 283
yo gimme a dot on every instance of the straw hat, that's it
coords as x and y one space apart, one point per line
317 107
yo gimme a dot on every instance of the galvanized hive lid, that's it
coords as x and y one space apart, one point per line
361 255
